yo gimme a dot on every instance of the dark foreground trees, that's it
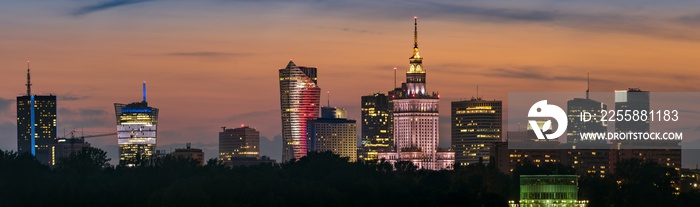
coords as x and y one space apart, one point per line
320 179
86 161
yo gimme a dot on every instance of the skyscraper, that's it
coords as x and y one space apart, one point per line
416 118
476 126
299 101
136 131
590 157
574 108
239 143
333 132
632 99
664 152
375 122
36 124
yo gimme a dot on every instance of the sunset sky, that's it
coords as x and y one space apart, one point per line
214 63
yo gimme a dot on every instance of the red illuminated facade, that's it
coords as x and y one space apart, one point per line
299 101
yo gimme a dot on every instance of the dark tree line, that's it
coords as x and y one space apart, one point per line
319 179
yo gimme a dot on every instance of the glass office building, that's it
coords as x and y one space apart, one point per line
36 124
136 131
476 126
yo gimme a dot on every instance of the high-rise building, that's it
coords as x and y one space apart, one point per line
299 101
574 108
476 126
375 122
416 118
588 157
36 124
136 131
239 143
374 108
632 99
333 132
190 153
665 152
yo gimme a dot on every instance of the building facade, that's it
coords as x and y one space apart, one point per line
548 190
239 143
190 153
632 99
36 124
375 122
375 126
574 108
333 132
476 126
136 131
299 101
66 147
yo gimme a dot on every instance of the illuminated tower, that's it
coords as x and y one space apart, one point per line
136 131
299 101
415 115
36 124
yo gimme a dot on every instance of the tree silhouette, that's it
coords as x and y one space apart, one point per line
405 167
636 177
87 160
319 179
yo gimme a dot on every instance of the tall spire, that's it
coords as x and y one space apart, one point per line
415 76
29 81
416 60
415 31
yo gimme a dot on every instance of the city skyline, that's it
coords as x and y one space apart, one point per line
216 67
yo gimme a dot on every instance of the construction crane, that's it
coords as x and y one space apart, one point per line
72 135
67 146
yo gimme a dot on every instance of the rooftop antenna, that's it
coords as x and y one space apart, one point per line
477 91
329 98
588 84
144 91
29 81
394 77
